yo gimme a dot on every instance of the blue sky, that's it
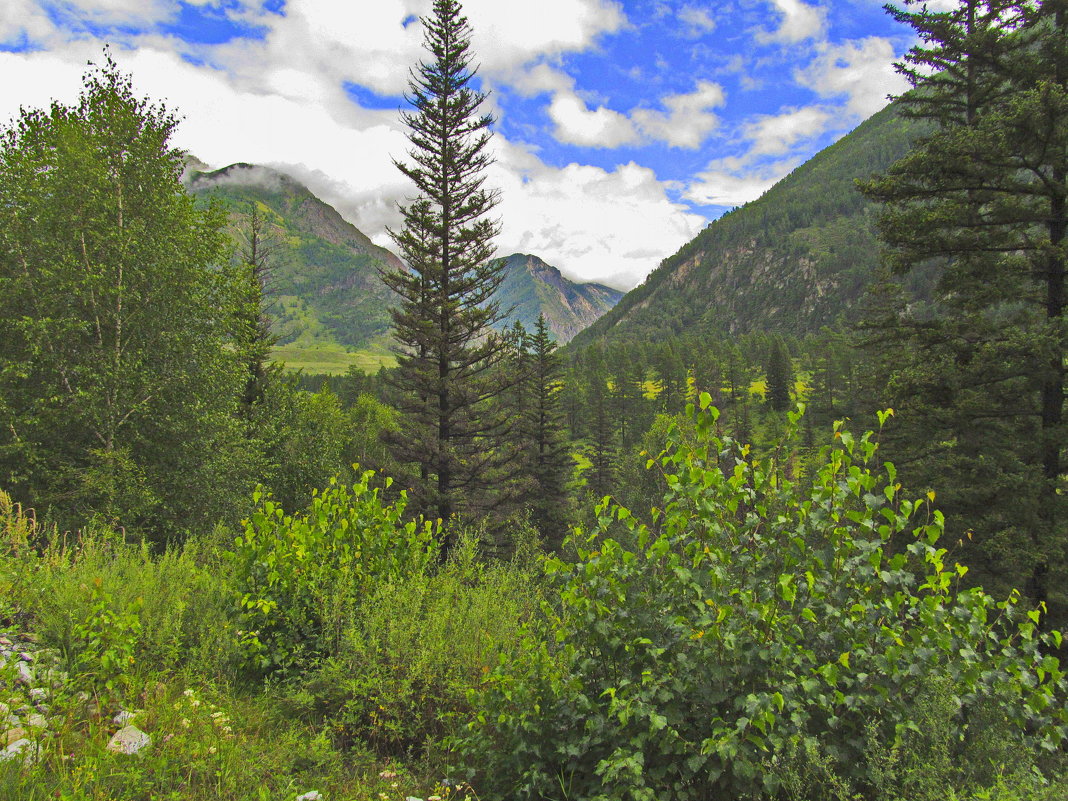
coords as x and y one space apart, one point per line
623 127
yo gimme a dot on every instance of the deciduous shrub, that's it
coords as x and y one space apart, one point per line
752 618
406 667
302 578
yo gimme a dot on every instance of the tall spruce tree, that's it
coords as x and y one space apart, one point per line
543 430
980 376
447 349
780 376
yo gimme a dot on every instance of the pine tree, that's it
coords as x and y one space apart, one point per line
257 248
442 323
549 459
780 376
985 194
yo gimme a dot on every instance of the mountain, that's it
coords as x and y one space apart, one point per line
324 283
532 287
798 258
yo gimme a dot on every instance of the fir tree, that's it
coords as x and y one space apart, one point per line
549 459
985 194
780 376
442 323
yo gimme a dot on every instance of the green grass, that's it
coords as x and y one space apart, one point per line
331 359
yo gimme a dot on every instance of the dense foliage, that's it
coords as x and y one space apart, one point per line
117 388
756 616
979 375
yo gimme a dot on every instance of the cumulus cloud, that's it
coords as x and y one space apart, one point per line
779 133
722 185
684 120
611 226
687 119
698 21
23 20
800 21
861 70
576 124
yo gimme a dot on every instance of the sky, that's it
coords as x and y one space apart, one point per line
622 128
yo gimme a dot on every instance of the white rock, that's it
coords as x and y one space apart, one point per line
125 717
36 721
129 740
314 795
27 749
25 675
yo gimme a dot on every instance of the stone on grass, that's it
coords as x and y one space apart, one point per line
27 749
314 795
36 721
12 736
25 675
125 717
129 740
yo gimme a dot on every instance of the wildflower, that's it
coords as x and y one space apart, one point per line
185 723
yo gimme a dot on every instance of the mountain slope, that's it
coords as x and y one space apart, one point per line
532 287
794 260
324 283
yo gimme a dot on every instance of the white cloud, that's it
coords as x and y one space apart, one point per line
862 70
687 121
608 225
594 224
697 20
725 184
776 134
576 124
23 18
800 21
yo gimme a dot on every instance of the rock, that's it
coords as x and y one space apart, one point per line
36 721
25 748
30 637
314 795
25 656
125 717
57 678
13 736
25 675
38 694
4 641
129 740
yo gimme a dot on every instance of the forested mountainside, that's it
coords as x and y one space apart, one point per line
323 271
796 259
532 287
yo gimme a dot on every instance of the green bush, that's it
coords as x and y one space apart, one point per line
91 593
753 618
402 677
302 578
